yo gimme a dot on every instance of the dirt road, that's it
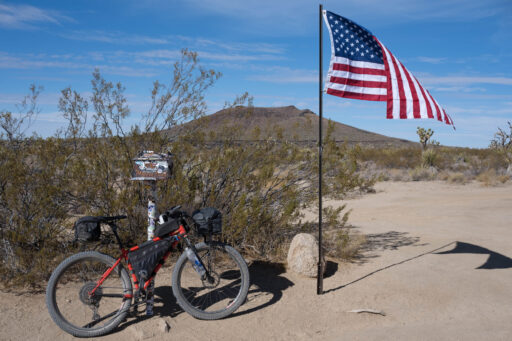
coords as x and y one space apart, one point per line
437 263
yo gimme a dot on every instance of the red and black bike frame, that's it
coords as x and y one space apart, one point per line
177 235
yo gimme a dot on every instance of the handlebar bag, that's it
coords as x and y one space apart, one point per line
208 221
87 229
169 226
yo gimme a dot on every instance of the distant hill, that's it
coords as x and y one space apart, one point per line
297 125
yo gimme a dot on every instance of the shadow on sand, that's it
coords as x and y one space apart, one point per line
391 240
266 280
495 260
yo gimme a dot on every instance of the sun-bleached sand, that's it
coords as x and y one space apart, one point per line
436 263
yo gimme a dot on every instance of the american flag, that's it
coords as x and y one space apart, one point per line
363 68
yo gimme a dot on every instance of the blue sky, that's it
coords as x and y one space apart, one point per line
460 50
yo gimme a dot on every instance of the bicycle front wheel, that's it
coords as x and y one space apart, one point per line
221 294
70 303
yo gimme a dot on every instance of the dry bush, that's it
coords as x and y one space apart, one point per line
422 174
384 158
343 245
261 187
491 178
454 178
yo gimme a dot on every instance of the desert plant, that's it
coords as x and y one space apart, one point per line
425 136
502 143
429 158
422 173
260 187
491 178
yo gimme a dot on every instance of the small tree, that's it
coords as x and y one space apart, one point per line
425 136
429 156
502 143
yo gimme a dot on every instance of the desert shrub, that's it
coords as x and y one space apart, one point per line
429 158
422 173
260 187
502 144
491 178
341 244
457 178
390 157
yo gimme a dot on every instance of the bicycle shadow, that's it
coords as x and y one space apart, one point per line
267 286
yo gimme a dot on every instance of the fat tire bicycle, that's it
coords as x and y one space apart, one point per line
90 293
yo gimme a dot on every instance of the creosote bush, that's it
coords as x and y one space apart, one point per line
46 183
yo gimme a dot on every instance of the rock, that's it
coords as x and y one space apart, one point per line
303 255
163 325
140 333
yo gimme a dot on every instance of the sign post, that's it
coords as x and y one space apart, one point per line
149 167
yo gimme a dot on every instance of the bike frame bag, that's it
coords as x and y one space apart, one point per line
147 257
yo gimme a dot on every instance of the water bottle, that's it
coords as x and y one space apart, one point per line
195 262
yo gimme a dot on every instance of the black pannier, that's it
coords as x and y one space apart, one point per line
169 226
87 229
146 257
208 221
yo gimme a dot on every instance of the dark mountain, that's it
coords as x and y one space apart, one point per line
296 125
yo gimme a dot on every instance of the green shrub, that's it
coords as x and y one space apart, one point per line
429 158
260 187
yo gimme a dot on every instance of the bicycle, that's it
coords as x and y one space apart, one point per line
91 293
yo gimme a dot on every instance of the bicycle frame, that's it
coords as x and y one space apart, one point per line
177 235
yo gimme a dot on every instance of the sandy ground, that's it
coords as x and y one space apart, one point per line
437 263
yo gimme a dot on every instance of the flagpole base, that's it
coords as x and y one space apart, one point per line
320 279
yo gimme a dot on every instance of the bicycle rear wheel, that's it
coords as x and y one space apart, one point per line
223 294
69 302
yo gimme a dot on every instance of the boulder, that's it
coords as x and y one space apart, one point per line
303 255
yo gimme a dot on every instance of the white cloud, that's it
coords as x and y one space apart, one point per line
26 16
71 62
431 60
281 74
464 80
113 37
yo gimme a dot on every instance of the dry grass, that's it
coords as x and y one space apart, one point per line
491 178
423 174
454 178
342 245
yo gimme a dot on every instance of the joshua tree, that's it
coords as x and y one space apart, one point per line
502 143
425 135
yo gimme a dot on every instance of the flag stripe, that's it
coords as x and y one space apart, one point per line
358 76
399 96
357 63
392 109
415 100
353 95
358 89
362 83
360 70
427 105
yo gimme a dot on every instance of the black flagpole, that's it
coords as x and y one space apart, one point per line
320 277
